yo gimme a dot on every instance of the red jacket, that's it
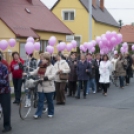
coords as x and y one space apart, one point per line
15 69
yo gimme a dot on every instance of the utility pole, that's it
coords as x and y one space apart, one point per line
90 19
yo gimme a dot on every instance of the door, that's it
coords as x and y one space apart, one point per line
78 39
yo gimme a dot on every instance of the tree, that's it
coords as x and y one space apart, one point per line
132 23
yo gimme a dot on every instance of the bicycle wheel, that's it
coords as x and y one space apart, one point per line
25 111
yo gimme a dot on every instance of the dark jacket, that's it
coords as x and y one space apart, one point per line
129 70
73 73
81 70
94 66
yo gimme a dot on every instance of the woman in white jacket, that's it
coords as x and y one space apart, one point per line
61 66
46 89
105 72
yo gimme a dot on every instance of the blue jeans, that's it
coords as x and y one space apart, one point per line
80 82
49 98
91 84
121 79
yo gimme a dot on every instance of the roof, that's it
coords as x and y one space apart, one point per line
128 33
23 24
98 15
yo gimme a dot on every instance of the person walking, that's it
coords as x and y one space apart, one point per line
83 69
46 73
129 71
97 74
91 84
16 67
62 69
72 75
120 70
5 99
105 72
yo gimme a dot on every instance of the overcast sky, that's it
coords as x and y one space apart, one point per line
120 9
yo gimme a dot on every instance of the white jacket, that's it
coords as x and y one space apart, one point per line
61 65
47 86
105 71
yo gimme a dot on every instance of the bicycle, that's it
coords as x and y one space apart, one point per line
114 79
32 93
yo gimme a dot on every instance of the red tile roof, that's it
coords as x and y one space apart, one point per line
128 33
13 13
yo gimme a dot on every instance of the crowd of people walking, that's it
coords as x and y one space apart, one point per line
58 75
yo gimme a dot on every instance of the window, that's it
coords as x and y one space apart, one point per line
68 15
22 51
44 44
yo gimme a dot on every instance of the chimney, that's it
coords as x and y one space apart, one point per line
102 4
94 3
30 1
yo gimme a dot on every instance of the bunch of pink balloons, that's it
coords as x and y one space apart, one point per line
4 44
31 45
108 41
88 46
124 48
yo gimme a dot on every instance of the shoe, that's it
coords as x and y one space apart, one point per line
86 93
63 103
28 103
36 116
6 130
45 110
94 92
50 116
15 102
77 97
105 94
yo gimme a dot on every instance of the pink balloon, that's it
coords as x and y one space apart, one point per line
82 48
90 45
98 39
37 46
122 50
3 44
50 49
125 45
114 34
101 44
52 41
115 52
29 47
104 40
30 39
94 43
86 44
69 47
12 42
108 35
113 41
119 38
93 49
74 43
62 46
101 52
58 47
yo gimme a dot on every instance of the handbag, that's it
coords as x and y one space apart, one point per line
63 76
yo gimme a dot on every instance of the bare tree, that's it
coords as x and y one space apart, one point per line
132 23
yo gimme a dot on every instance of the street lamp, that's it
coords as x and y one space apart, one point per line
90 19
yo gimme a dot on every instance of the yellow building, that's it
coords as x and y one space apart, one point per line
75 15
20 19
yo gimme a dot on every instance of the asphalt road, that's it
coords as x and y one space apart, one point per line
97 114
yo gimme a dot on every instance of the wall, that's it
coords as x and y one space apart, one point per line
100 28
80 24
